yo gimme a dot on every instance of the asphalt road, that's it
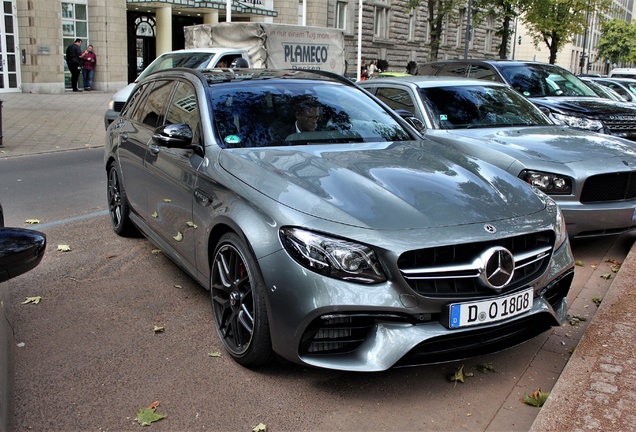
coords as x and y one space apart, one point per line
88 358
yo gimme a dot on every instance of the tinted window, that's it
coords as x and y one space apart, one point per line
456 70
479 106
184 108
545 80
255 115
396 99
483 72
154 109
134 101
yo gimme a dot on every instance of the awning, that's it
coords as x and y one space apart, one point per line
253 7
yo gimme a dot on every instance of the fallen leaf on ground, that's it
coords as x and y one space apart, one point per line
616 268
34 300
261 427
191 225
597 300
63 248
578 263
606 276
485 367
155 215
147 416
178 237
458 375
32 221
159 329
613 261
156 251
178 286
536 399
214 354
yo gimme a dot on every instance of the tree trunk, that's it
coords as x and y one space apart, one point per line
505 36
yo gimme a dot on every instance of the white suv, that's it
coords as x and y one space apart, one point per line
196 58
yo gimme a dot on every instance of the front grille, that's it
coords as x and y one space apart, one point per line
618 124
609 187
447 271
118 106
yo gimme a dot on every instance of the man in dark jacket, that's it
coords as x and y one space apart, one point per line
74 62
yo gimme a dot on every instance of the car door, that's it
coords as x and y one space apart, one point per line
172 175
131 149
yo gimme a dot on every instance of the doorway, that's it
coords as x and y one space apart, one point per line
10 80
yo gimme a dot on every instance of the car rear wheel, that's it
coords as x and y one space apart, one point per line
238 303
118 207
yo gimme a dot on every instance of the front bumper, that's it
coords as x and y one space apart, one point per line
376 327
598 219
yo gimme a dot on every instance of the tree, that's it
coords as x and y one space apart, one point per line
506 11
617 39
556 22
438 11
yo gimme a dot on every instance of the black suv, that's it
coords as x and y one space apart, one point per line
558 93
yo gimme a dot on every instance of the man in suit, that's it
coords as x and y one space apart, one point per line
307 113
74 62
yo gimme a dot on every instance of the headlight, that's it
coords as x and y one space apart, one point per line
559 221
577 122
551 184
111 104
332 257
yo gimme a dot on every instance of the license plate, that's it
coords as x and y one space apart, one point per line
487 311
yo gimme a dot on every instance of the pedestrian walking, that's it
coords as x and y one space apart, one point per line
89 60
74 62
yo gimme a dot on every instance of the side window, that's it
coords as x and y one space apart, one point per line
134 101
483 72
184 108
153 112
455 70
396 99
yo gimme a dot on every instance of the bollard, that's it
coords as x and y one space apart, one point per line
1 145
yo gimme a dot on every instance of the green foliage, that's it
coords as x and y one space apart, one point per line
555 22
536 399
617 39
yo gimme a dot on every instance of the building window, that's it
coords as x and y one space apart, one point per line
412 24
490 34
381 19
341 15
461 34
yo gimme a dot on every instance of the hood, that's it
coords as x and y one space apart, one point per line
402 185
557 144
588 106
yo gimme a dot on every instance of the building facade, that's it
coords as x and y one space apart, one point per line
580 55
128 34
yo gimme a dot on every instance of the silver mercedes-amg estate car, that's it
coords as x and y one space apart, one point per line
326 230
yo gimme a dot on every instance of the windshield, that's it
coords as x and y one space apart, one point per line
185 60
536 80
464 107
262 114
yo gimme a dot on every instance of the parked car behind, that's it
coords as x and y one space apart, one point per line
589 175
350 243
556 91
196 58
20 251
626 87
602 91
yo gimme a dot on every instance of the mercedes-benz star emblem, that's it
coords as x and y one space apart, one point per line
498 267
490 228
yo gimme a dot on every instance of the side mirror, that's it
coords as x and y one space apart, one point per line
173 136
21 250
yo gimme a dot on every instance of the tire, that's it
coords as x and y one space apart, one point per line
118 207
238 303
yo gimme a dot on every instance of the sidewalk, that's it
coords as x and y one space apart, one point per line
595 391
40 123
